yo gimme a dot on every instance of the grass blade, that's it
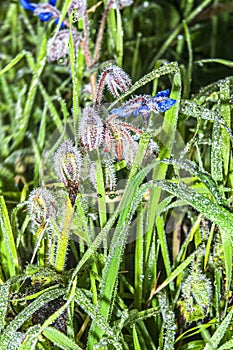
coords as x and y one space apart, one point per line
60 339
8 248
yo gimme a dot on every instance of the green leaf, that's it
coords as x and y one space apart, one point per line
214 212
176 272
59 339
216 60
8 249
93 312
4 296
30 339
216 153
219 333
135 339
228 345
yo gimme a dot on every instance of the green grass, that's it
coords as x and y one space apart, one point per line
146 264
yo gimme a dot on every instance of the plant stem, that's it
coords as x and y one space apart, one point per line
63 239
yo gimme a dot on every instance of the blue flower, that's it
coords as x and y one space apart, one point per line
43 11
27 6
31 6
145 104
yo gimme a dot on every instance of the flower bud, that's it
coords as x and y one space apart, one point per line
116 81
90 129
68 163
196 292
42 206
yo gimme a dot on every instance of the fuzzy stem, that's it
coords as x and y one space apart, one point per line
100 87
63 239
86 28
101 32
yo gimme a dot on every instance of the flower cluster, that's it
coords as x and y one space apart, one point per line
144 105
115 137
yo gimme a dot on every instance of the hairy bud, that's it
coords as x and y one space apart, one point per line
42 206
90 129
196 292
116 81
68 163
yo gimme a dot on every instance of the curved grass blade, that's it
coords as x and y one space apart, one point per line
216 60
175 273
23 316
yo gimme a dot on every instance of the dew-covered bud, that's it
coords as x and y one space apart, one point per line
197 293
153 149
42 206
90 129
77 9
115 79
68 163
59 47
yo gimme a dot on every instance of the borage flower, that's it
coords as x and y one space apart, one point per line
144 105
58 48
44 11
118 139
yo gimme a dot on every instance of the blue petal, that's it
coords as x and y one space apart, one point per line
164 93
118 111
62 25
45 16
52 2
26 5
166 105
143 109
